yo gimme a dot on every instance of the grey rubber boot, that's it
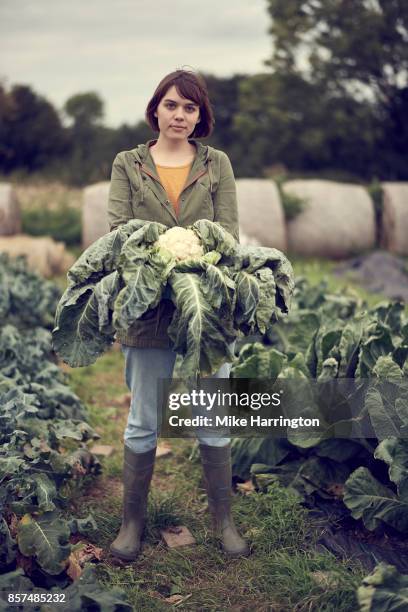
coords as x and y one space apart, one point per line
137 475
216 462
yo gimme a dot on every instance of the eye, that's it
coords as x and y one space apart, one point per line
190 109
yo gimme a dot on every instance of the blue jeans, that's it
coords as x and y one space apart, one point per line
143 368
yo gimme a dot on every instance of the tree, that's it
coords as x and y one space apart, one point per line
352 51
31 133
127 136
85 109
358 45
224 97
88 138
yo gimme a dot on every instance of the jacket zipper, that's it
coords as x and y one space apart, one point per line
143 167
167 204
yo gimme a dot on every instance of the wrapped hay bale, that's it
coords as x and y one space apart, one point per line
394 225
10 218
94 212
261 216
337 220
43 254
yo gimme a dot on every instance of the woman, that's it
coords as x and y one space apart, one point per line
174 180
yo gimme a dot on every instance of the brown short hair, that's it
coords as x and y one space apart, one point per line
189 85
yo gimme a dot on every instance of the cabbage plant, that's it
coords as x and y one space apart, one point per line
221 290
333 338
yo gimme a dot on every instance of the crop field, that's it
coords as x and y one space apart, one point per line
320 516
280 532
288 568
221 260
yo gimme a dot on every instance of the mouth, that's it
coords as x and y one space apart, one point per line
178 127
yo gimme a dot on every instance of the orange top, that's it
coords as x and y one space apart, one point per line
173 179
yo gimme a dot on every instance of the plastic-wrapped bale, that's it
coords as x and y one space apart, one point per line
10 217
337 221
43 254
261 216
394 226
95 212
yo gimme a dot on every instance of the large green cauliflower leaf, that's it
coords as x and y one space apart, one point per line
144 268
199 333
219 289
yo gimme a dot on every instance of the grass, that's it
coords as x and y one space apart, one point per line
63 225
285 571
317 270
50 208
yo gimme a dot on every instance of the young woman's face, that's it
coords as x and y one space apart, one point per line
176 116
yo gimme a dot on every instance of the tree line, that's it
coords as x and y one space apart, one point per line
332 101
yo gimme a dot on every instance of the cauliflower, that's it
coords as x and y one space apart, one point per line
182 243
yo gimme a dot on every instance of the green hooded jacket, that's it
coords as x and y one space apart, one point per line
137 193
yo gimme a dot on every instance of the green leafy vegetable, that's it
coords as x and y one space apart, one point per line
384 590
46 538
227 291
326 338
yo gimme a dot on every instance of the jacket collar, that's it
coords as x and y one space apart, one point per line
142 155
145 164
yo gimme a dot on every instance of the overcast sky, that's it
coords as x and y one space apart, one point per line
122 48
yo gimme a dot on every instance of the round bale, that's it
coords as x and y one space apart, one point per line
44 255
10 218
261 216
394 226
94 212
337 220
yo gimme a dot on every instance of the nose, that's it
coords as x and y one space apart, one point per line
179 114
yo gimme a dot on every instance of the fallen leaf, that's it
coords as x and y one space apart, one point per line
180 599
96 551
246 487
74 569
89 552
104 450
82 553
163 450
177 536
174 599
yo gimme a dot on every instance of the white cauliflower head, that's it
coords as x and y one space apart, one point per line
182 243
